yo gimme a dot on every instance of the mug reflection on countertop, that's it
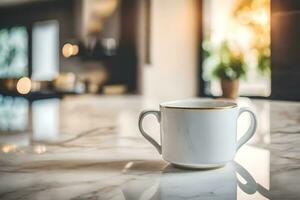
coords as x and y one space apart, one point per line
173 183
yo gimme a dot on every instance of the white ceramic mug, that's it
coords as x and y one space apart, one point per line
198 133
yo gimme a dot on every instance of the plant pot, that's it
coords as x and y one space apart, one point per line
230 88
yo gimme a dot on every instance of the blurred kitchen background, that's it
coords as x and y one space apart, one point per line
50 49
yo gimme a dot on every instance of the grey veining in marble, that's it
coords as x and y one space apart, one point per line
89 147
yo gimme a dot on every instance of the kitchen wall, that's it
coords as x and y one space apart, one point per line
172 72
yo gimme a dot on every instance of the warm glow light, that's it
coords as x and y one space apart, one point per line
39 149
261 17
24 85
243 36
75 49
67 50
104 8
8 148
94 27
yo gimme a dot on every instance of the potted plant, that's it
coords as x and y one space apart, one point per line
229 69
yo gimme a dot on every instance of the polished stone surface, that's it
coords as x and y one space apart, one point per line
89 147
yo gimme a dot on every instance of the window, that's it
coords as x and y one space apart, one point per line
237 27
45 50
13 52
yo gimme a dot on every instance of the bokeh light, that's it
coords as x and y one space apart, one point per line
6 148
67 50
75 49
24 85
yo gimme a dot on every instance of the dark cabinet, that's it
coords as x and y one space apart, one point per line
285 49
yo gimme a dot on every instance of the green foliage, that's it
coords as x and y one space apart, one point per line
230 66
264 61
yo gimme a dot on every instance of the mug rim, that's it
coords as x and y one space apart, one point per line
168 104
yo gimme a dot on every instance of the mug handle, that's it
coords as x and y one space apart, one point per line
251 130
150 139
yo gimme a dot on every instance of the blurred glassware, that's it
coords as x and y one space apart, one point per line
114 89
109 45
65 82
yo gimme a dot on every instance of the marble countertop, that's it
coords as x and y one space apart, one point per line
89 147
